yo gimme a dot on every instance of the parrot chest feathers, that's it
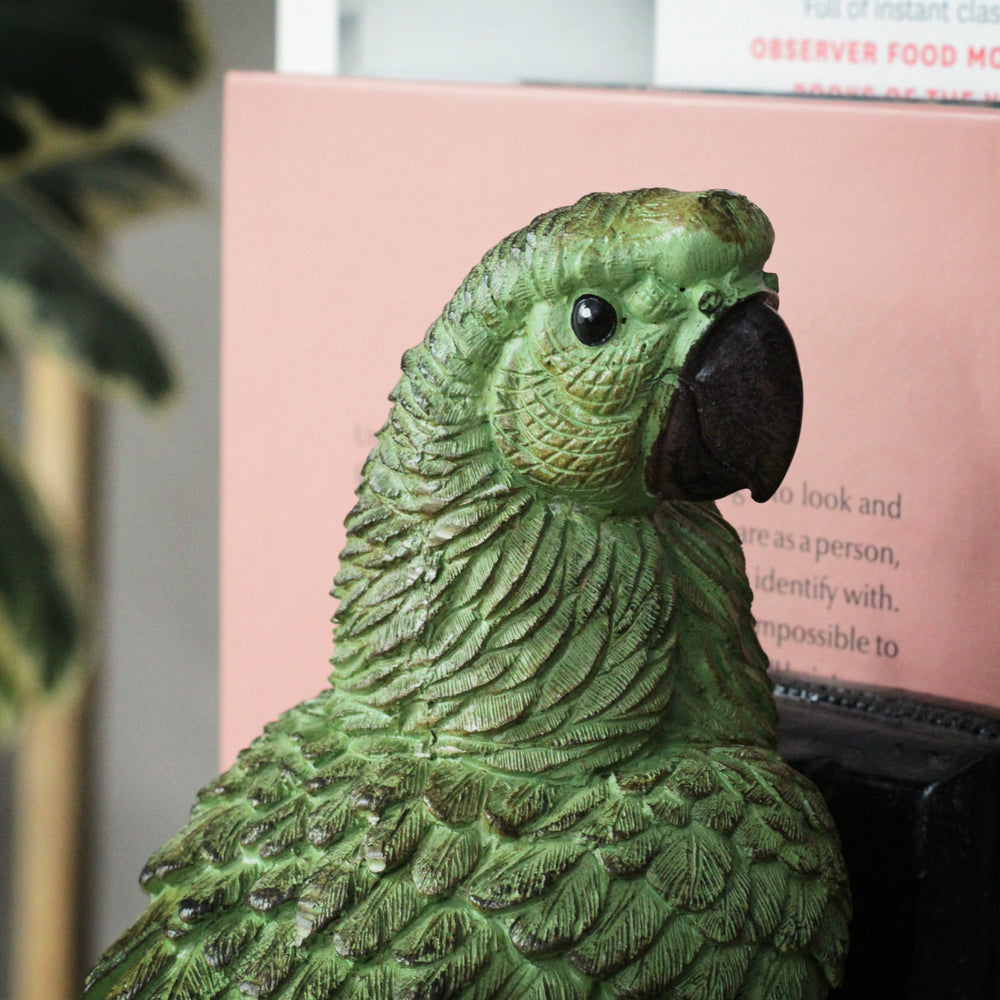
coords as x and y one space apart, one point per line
366 866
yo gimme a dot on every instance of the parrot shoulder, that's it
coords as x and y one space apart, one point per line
331 863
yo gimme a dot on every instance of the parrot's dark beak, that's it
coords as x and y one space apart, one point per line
735 418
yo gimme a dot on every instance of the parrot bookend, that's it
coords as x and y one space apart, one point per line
546 767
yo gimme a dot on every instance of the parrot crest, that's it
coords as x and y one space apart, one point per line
546 766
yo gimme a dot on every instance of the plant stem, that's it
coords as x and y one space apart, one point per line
59 444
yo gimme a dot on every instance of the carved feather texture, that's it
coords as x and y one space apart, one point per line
545 769
594 878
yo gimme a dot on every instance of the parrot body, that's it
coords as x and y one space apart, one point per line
545 769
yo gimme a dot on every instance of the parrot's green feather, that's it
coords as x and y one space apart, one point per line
452 851
545 769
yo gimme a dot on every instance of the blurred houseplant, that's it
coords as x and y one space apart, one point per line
78 79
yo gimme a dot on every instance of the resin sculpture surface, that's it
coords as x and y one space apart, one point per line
545 769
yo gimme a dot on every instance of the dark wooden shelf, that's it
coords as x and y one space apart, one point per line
914 786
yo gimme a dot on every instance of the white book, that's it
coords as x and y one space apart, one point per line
939 51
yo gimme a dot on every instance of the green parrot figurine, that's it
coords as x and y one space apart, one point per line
546 766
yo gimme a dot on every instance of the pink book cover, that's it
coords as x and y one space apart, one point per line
353 209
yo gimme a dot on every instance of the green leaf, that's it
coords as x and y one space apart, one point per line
11 695
38 621
50 296
76 75
95 194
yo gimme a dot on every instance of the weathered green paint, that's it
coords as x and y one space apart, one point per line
546 766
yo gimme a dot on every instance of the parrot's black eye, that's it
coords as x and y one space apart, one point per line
594 320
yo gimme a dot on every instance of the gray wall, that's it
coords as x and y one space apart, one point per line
155 739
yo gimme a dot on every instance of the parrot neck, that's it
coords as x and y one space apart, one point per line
483 616
540 637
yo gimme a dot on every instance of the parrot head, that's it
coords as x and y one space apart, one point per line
596 380
642 358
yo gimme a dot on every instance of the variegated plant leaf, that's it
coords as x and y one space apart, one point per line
39 624
51 296
94 194
76 76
